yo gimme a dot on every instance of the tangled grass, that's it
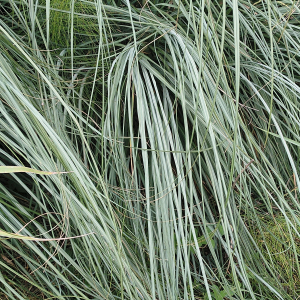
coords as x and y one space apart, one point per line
179 124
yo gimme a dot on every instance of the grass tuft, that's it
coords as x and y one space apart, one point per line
177 124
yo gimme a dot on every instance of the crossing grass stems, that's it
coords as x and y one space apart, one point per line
178 122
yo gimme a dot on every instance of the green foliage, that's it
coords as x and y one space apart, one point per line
281 249
178 125
219 295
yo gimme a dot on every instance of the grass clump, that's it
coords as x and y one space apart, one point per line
178 123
